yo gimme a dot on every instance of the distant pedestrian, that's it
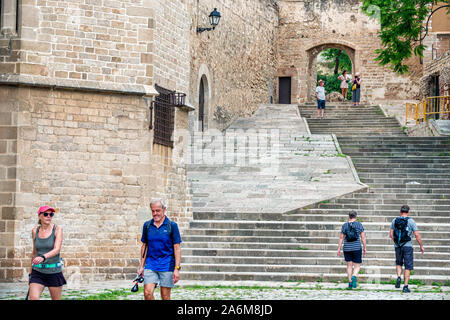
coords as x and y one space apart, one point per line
401 231
352 232
46 262
160 252
345 79
321 97
356 89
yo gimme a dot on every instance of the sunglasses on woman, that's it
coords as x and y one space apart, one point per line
48 213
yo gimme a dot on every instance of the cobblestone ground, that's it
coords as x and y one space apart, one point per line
189 290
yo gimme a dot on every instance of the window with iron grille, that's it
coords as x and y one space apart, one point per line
164 106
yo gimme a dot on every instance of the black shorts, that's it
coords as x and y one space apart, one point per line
320 104
405 255
353 256
48 280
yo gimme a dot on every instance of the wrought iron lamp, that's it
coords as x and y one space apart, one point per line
214 18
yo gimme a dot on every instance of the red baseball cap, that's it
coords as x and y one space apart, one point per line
45 208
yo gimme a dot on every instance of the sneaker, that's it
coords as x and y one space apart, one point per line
350 286
354 283
406 289
398 282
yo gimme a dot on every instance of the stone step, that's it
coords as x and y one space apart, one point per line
411 187
201 267
397 202
400 196
408 189
333 233
219 252
306 277
293 246
353 121
304 225
386 170
383 207
393 153
299 241
406 139
311 261
343 211
420 182
423 161
310 216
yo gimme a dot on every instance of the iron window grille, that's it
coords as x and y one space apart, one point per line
164 113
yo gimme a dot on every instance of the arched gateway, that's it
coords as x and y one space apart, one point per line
306 28
314 51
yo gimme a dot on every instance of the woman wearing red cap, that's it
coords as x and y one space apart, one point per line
46 262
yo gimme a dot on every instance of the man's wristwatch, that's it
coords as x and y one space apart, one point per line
178 267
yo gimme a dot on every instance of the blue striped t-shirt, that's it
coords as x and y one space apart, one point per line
355 245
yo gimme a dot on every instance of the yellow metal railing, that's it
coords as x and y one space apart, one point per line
427 107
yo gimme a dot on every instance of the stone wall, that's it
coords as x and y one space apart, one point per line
438 67
76 83
309 27
90 43
8 183
237 59
170 47
91 156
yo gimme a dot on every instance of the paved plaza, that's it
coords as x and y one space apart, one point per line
237 290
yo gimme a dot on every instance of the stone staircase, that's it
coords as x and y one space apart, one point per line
285 244
348 120
275 165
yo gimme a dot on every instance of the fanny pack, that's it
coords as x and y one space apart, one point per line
49 265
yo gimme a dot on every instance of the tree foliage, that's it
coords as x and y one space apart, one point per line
338 60
401 25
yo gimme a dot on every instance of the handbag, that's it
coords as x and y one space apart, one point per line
354 87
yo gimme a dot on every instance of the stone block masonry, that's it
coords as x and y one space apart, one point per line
237 60
8 182
91 155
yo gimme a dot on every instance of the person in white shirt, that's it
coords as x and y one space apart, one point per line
345 78
320 95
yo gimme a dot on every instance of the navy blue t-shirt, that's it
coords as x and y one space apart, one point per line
356 245
160 255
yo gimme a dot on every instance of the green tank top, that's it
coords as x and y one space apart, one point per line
44 245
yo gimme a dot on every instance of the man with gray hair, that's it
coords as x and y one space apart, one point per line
160 252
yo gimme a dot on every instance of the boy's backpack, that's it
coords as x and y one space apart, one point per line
400 233
147 225
351 234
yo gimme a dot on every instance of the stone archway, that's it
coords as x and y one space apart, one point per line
202 94
312 54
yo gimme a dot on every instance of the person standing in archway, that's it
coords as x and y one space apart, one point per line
320 95
345 79
356 89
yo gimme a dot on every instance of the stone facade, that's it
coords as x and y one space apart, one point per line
76 82
436 68
309 27
237 60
